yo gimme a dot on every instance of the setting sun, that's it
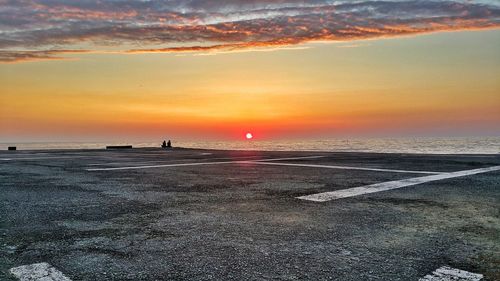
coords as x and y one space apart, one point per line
249 136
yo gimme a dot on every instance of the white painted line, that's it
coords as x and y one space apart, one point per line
170 161
447 273
378 187
345 168
290 158
43 158
474 156
194 164
162 166
114 163
38 272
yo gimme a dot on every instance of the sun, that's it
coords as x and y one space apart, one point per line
249 136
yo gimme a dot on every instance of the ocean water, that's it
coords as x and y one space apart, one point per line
472 145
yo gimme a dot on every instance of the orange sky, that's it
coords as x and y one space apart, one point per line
439 84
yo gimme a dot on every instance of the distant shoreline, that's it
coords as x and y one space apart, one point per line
428 145
42 150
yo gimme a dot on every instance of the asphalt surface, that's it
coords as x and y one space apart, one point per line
242 220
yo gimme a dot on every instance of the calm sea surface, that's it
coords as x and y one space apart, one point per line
475 145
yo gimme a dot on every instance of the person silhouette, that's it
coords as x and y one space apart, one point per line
164 144
169 144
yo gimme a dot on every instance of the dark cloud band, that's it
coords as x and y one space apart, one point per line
35 30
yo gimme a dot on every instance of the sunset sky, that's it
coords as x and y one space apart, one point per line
142 70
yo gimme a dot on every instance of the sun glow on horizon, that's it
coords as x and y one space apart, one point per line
249 136
370 90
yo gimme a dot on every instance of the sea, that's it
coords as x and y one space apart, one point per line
427 145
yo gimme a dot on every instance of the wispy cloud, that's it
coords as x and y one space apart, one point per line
25 56
33 30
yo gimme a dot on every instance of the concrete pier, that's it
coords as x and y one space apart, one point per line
187 214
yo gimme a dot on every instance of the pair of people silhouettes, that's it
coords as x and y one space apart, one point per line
166 144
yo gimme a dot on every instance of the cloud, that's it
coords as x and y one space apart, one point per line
34 28
25 56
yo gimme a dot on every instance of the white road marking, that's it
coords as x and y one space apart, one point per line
170 161
476 156
290 158
196 164
43 158
162 166
114 163
38 272
346 168
447 273
378 187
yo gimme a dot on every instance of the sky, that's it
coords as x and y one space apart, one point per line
281 69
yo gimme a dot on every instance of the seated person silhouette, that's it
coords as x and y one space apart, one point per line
169 144
164 144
